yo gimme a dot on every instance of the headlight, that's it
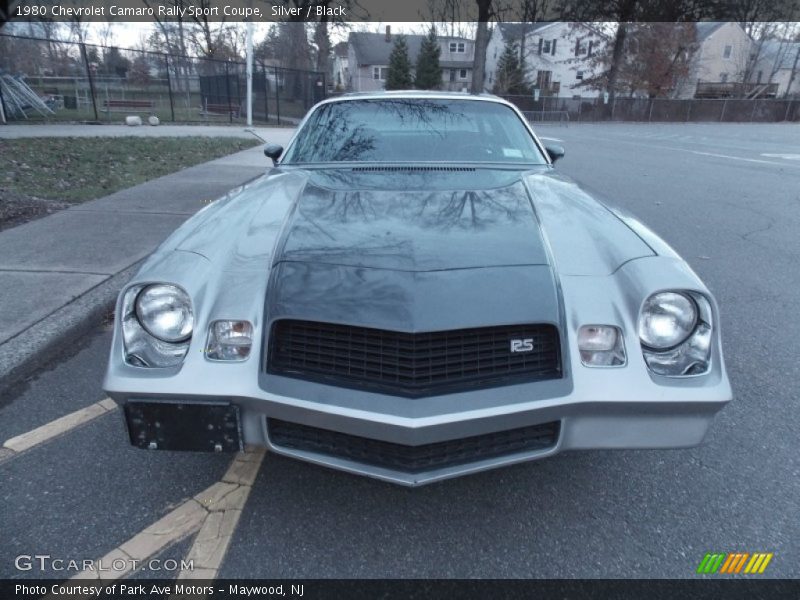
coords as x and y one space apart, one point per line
667 320
165 311
675 329
156 325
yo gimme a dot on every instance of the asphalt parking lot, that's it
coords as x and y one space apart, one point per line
726 197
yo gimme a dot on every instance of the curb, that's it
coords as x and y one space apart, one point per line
35 347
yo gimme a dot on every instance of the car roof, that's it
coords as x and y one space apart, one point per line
416 94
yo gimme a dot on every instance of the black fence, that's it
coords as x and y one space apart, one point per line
567 110
67 81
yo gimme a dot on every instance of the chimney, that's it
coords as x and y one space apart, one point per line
388 33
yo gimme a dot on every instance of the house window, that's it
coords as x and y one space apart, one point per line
543 79
723 77
458 47
760 75
379 73
727 52
580 48
579 75
462 74
546 47
452 74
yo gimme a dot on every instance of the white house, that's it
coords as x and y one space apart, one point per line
368 59
779 63
720 57
557 56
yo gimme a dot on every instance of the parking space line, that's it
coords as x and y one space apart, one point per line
225 505
53 429
213 514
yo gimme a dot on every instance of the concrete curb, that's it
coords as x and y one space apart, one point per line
34 348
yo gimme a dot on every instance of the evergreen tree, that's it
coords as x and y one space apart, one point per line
399 75
510 74
429 73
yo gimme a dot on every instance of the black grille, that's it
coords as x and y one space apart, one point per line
412 364
412 459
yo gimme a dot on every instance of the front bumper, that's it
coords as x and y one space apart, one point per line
681 421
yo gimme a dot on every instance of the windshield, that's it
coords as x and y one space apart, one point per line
414 130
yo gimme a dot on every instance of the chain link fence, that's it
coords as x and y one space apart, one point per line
569 110
67 81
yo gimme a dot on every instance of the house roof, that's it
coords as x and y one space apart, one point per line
373 49
706 28
513 31
340 49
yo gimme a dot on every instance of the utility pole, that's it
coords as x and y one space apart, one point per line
249 73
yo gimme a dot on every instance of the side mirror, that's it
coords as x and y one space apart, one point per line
274 152
555 152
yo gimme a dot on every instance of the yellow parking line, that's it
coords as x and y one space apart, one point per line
225 501
53 429
214 513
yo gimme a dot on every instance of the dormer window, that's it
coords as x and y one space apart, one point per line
458 47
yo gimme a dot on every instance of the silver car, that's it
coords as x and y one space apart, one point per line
412 292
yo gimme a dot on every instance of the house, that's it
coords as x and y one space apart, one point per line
340 67
778 64
368 57
719 62
557 55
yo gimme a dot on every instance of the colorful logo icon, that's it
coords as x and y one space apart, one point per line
734 562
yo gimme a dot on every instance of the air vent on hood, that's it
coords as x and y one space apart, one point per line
410 169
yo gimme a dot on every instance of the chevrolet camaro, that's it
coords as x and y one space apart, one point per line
413 292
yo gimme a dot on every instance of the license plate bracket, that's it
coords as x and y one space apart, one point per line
178 425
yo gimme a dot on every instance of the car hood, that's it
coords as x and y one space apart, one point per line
404 251
414 230
404 220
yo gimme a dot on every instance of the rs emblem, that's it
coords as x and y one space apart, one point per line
524 345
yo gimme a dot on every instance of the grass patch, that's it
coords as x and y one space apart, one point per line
74 170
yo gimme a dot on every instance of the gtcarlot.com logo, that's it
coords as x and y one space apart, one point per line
731 563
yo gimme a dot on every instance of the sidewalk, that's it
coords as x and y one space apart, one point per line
59 274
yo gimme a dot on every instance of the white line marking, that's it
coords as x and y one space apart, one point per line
552 139
786 156
685 150
60 426
755 160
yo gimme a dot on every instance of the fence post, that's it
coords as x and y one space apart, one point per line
688 109
650 112
3 119
91 80
169 88
722 112
753 112
266 95
785 117
277 97
228 91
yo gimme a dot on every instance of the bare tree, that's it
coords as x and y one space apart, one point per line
486 11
